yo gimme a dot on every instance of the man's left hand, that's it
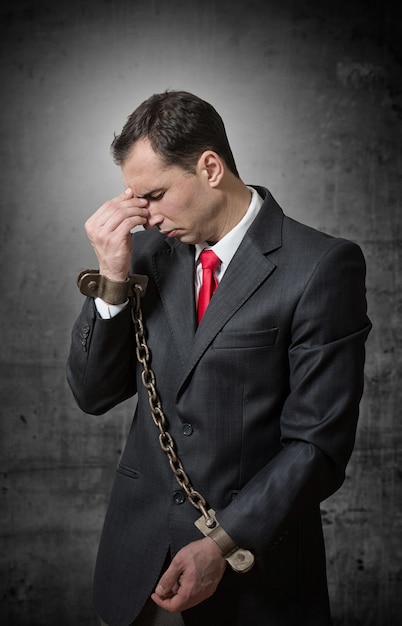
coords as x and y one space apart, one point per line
193 576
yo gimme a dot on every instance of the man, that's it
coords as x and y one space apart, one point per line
260 393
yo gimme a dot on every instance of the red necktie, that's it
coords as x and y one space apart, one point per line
210 263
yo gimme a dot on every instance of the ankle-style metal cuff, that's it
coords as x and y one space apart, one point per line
239 559
95 285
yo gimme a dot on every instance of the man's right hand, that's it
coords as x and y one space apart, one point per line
109 229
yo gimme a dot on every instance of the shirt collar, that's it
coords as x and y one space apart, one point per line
227 246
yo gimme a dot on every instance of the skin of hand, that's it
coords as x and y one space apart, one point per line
109 232
193 576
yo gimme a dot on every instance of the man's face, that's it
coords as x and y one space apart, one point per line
180 204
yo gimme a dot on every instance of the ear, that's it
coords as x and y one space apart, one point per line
211 164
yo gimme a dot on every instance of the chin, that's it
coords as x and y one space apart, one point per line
183 238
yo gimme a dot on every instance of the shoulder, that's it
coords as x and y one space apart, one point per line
282 236
310 244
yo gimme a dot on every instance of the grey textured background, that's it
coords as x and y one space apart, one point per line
312 98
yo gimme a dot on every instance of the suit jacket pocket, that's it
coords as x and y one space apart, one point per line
242 339
127 471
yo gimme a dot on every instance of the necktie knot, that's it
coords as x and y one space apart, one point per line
209 260
210 263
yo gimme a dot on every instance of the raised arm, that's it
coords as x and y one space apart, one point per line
100 368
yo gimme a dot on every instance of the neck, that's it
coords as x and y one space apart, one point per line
237 198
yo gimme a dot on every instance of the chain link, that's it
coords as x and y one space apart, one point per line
166 441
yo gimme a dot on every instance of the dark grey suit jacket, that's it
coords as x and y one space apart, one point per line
262 400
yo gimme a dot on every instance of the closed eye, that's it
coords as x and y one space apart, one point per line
157 197
154 198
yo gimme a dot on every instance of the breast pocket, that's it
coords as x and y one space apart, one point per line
242 339
127 471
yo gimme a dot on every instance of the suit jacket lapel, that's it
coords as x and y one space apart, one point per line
249 268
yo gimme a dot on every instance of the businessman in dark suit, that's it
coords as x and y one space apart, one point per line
260 393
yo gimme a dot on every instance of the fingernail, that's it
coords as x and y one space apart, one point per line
128 191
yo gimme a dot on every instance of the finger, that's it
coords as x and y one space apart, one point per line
173 604
183 599
179 601
110 216
174 591
169 581
125 199
113 211
119 225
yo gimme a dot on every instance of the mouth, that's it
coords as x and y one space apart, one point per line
169 233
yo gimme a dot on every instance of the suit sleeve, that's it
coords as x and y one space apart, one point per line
101 364
326 357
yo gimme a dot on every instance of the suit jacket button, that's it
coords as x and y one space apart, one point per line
187 430
179 497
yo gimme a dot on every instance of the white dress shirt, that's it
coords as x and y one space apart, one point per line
226 247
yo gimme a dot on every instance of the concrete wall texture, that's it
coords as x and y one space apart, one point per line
312 97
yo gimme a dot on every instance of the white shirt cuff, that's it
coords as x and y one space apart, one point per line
107 311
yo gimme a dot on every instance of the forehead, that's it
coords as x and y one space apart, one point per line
144 169
141 161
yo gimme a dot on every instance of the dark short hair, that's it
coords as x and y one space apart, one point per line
179 126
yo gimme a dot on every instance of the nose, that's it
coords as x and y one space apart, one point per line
154 218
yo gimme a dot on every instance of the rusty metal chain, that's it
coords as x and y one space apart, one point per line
165 438
239 559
